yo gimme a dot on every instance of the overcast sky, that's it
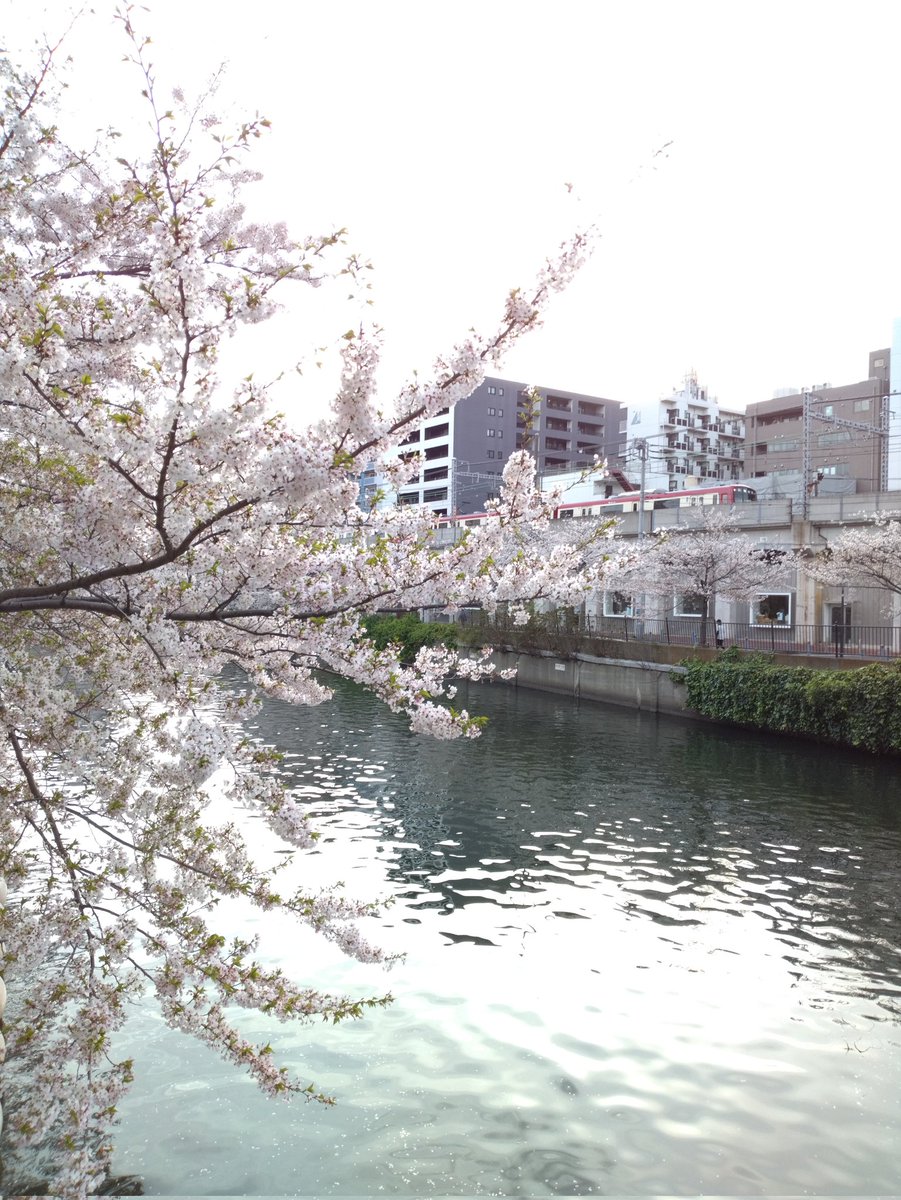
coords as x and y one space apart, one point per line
761 249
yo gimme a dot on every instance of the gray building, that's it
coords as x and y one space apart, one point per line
463 451
845 449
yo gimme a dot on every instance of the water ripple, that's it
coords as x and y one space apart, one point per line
643 957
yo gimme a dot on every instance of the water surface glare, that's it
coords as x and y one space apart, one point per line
643 957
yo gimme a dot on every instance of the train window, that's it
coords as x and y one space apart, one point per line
666 503
475 521
566 512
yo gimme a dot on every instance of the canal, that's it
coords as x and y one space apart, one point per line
642 956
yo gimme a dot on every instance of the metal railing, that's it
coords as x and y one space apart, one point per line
771 637
568 632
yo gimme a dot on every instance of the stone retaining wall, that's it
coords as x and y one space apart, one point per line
643 685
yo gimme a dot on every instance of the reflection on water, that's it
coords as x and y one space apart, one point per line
643 957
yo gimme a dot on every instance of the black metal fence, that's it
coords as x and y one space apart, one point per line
771 637
568 631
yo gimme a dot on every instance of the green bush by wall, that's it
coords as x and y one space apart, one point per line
408 632
859 708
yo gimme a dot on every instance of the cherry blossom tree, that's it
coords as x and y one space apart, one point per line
158 522
709 557
867 555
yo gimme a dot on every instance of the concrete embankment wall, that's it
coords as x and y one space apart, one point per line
644 685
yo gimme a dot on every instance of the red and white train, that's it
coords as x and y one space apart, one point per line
628 502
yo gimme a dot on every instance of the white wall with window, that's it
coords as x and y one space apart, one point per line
618 604
688 605
772 608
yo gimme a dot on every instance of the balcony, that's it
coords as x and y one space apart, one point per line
555 443
558 423
587 409
558 404
590 428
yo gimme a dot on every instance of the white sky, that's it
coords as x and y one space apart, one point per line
763 250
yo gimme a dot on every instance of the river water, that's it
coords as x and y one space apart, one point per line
643 957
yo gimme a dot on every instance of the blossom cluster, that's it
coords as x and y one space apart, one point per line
158 523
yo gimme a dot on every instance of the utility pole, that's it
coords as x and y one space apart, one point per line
641 446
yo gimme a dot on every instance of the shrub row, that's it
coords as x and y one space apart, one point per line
408 632
859 707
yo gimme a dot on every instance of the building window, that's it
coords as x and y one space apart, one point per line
435 494
500 411
492 391
828 411
436 431
772 609
490 432
490 412
433 473
500 391
862 405
433 452
689 605
408 498
500 454
499 433
490 453
834 439
618 604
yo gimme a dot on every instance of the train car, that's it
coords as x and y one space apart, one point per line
627 502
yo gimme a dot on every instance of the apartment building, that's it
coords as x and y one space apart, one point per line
463 451
846 425
691 439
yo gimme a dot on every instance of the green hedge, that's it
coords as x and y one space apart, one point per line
408 632
859 707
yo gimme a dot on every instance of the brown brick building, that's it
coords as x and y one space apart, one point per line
853 457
